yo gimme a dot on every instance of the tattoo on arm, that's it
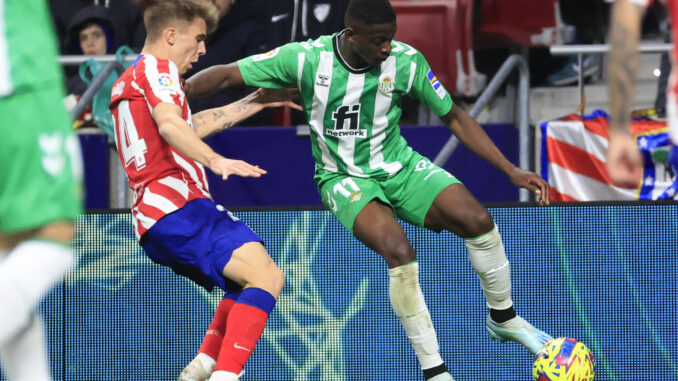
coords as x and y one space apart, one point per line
218 114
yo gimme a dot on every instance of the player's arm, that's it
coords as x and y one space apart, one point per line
472 135
624 162
174 129
211 121
213 79
623 61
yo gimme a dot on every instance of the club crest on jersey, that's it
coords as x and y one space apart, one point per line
267 55
347 122
323 80
437 86
386 84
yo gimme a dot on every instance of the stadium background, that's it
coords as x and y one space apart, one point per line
602 273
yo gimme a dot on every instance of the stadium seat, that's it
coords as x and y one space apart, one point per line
521 22
442 31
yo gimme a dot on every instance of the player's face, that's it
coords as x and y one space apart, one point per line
372 43
189 44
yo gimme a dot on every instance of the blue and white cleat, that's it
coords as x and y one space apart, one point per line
442 377
518 330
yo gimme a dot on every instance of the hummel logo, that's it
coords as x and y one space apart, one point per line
236 346
322 80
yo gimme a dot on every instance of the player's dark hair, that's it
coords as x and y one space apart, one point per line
160 14
371 11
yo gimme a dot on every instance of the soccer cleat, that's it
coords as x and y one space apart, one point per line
442 377
199 369
518 330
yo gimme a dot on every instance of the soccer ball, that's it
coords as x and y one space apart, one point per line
563 359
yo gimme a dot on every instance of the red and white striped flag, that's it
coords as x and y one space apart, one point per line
573 159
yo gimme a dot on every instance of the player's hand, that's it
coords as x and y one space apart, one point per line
623 162
532 182
278 97
225 167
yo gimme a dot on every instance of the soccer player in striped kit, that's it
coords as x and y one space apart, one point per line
175 219
351 86
624 162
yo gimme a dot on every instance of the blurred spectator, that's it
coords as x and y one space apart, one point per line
590 19
299 20
244 30
89 33
125 17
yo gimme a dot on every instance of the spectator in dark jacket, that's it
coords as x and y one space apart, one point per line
90 33
125 17
299 20
244 30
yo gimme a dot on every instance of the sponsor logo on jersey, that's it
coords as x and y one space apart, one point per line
437 86
267 55
117 89
386 84
323 80
347 122
165 81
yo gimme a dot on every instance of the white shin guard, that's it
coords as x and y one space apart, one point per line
488 259
408 304
26 274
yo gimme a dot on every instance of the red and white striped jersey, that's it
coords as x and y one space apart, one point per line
162 179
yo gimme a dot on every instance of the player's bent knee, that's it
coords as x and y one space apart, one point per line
479 223
397 252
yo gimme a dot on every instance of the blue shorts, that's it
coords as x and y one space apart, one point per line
197 241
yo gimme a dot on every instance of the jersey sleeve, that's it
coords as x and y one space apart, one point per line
427 89
276 69
161 83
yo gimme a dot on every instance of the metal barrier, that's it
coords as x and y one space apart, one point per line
512 62
117 174
580 50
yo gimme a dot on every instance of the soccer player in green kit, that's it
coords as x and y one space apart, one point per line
40 183
351 86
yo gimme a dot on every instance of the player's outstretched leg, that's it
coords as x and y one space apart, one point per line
200 368
488 258
408 304
245 324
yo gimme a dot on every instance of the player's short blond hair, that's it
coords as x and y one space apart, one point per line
161 14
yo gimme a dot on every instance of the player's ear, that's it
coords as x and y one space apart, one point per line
169 35
350 34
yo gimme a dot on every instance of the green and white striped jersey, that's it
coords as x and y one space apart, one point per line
353 114
28 47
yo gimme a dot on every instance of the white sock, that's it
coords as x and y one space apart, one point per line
488 258
26 274
222 375
24 357
409 305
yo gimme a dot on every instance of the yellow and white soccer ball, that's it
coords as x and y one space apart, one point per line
563 359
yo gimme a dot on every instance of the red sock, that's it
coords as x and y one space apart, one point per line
215 333
243 329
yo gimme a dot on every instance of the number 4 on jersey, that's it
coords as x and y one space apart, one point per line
127 138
